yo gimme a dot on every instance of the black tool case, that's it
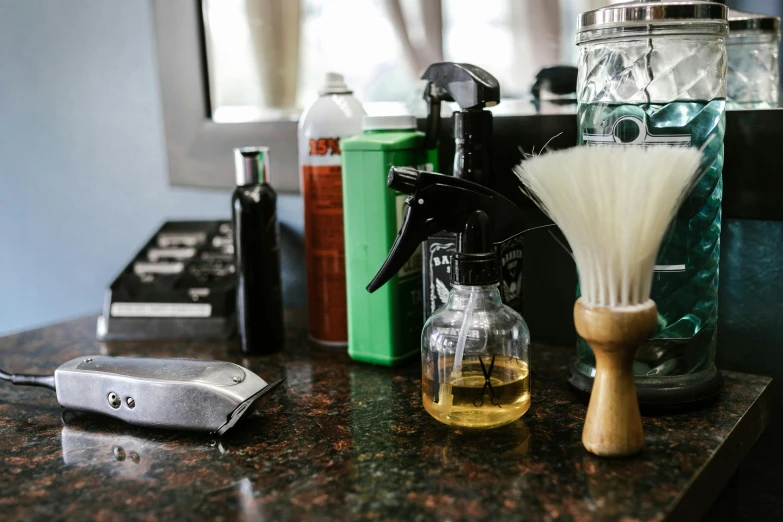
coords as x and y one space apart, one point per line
181 285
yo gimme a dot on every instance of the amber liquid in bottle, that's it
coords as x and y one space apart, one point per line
467 398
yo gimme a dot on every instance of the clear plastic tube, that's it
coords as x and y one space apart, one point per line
463 331
488 382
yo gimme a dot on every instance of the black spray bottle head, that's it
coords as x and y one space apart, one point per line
482 217
471 87
475 262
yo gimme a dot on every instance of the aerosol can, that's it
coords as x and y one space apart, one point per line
335 115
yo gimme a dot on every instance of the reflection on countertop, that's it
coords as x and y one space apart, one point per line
342 440
123 455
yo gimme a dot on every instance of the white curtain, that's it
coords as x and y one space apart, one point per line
542 34
274 28
418 56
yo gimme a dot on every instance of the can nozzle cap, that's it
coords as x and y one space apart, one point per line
334 83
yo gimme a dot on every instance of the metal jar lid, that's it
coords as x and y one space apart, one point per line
650 18
751 22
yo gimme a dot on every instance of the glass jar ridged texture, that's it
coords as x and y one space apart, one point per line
666 90
752 78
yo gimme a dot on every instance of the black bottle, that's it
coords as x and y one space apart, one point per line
259 293
473 89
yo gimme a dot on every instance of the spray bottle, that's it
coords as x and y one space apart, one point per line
473 89
335 115
475 350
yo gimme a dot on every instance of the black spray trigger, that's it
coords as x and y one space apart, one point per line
436 203
414 230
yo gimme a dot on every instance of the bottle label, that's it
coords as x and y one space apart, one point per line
324 147
512 272
325 251
630 129
160 310
439 252
618 128
437 263
453 333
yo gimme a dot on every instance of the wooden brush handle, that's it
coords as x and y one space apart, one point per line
613 427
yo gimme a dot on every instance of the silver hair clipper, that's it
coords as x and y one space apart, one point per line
180 394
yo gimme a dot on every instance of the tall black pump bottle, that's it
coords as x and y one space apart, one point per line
259 292
473 89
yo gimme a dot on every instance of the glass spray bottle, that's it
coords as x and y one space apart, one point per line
475 368
475 349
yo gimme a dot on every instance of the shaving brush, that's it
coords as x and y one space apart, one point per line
614 205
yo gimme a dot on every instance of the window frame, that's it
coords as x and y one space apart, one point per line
199 151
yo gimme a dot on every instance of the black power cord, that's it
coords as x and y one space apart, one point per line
23 379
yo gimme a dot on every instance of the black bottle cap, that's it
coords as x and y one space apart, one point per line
251 165
475 269
475 261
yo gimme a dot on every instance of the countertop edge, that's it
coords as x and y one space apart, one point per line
708 483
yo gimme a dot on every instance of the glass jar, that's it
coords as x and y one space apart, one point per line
654 73
752 78
475 364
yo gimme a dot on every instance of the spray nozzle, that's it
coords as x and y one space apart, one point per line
403 179
438 203
471 87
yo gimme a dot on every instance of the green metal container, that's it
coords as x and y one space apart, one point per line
383 327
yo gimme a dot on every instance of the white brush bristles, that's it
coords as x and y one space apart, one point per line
614 205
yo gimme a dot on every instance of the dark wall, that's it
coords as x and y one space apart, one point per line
750 339
751 330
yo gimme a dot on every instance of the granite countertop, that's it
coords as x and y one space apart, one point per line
343 440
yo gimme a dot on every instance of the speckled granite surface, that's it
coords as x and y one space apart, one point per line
341 440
